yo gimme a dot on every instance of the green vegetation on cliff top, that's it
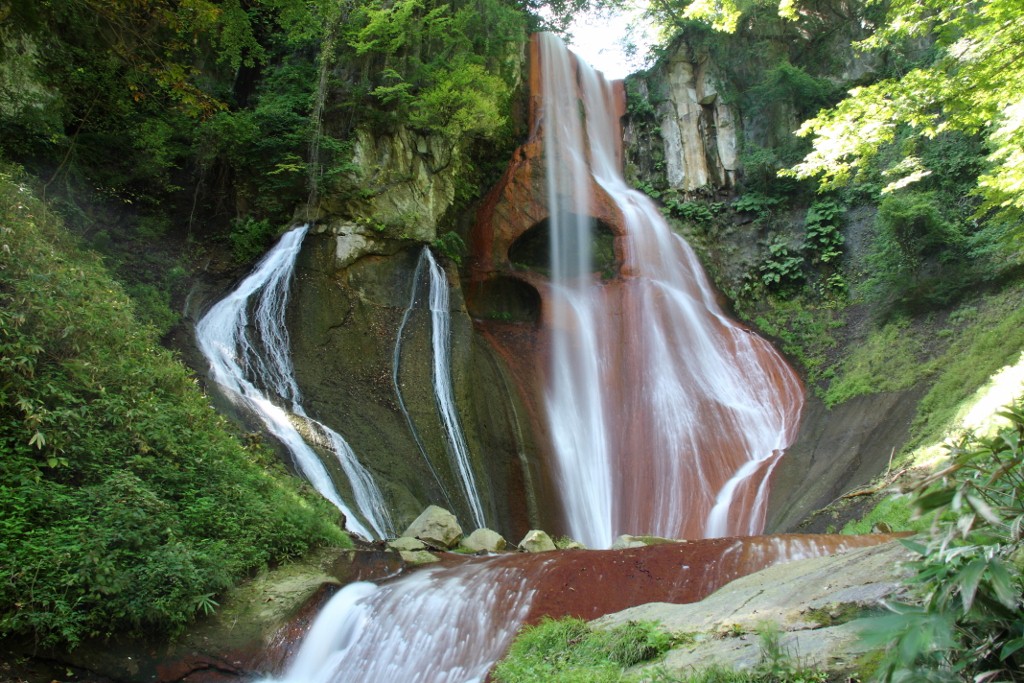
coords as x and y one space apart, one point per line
126 503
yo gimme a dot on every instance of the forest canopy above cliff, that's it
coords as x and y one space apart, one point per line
946 67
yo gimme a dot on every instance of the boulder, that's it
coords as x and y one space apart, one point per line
415 557
436 527
536 541
484 540
626 541
407 543
817 607
566 543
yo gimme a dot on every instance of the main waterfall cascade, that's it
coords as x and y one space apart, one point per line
245 340
667 418
444 399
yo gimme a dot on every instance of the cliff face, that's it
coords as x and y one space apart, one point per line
689 133
361 332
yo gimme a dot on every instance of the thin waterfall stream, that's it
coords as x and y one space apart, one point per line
441 375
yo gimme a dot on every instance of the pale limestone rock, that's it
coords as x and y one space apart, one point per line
484 540
626 541
416 557
566 543
536 541
409 179
407 543
436 527
698 129
816 604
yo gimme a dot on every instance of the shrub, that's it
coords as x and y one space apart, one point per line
125 501
968 623
916 251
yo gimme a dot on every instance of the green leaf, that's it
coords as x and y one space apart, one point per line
934 500
1010 647
38 440
970 577
1002 584
983 509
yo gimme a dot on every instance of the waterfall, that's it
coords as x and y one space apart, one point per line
440 325
245 341
667 417
439 625
440 318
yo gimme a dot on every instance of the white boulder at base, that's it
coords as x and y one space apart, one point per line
484 540
536 541
436 527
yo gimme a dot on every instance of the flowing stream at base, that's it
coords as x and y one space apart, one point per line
451 624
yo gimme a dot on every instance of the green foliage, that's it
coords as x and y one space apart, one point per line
261 148
451 246
782 270
824 239
968 623
892 358
916 251
759 204
793 84
436 66
695 212
125 501
896 512
971 86
250 239
980 345
569 651
806 331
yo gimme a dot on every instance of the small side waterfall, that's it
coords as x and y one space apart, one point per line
440 323
245 340
438 625
667 417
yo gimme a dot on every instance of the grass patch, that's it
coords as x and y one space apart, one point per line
988 340
893 358
804 329
895 511
569 651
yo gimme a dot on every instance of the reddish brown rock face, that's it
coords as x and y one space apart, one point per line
693 411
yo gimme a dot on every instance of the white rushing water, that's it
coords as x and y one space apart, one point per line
438 625
245 340
667 417
440 337
575 402
440 318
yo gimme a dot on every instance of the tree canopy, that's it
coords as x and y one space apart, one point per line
970 80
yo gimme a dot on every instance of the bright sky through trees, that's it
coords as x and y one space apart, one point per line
601 39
